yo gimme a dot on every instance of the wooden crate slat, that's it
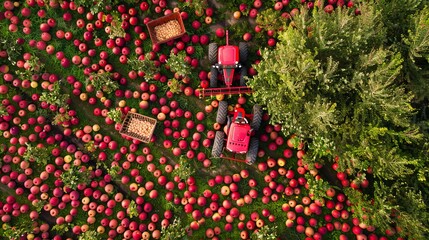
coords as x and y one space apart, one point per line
126 125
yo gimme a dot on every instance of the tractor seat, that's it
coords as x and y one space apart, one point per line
240 119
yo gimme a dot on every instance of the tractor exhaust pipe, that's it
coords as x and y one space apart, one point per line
227 37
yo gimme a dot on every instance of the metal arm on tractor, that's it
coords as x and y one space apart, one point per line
206 92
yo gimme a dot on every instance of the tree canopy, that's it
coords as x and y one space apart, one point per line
355 91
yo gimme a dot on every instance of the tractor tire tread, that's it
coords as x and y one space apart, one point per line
243 74
244 52
252 153
213 52
218 144
222 112
257 117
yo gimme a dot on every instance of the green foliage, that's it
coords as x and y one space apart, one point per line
3 111
89 235
321 148
13 49
268 19
61 229
236 32
34 66
102 81
317 188
265 232
178 65
16 231
417 43
418 39
132 209
173 207
334 82
399 10
390 165
395 205
379 94
90 146
44 112
114 171
279 80
56 96
231 5
35 154
414 216
185 170
100 6
60 118
115 115
197 6
175 86
174 231
116 30
2 148
146 65
75 176
38 205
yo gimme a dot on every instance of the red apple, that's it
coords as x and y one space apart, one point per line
278 6
247 36
220 32
257 3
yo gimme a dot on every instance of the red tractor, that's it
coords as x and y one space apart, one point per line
227 60
240 133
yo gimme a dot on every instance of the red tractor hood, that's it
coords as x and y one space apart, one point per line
228 55
238 138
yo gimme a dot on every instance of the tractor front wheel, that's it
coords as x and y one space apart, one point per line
243 74
218 144
244 51
257 117
252 153
213 53
222 112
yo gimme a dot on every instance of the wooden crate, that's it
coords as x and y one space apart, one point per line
134 118
164 20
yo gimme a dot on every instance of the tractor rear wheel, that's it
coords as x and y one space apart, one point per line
252 153
257 117
222 112
213 53
244 51
213 77
218 144
243 74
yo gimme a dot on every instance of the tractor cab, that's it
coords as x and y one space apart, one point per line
239 133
